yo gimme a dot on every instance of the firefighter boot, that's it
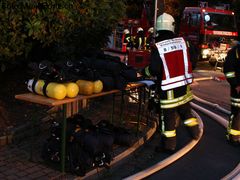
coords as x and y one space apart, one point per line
194 131
233 137
233 130
168 144
193 127
234 140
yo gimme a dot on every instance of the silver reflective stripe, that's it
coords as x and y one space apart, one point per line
235 100
230 74
176 84
178 78
235 104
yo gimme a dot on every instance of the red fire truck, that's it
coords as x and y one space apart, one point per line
210 29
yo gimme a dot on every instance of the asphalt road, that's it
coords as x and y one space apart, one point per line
212 158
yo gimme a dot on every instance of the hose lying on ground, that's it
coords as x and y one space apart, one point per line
162 164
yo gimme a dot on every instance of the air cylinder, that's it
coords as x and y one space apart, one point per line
72 89
51 89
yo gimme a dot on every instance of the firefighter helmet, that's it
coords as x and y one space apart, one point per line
139 29
165 22
150 30
126 31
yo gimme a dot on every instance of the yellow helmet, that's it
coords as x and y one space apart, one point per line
165 22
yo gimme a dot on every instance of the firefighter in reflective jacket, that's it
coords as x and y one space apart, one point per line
139 41
170 64
150 38
127 39
231 68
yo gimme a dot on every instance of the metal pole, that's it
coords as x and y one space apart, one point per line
155 18
159 9
63 148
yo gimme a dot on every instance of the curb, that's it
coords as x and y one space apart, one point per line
6 139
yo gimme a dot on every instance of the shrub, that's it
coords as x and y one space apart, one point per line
29 26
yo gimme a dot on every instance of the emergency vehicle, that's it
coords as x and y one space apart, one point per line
210 29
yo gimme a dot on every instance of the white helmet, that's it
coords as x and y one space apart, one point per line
139 29
150 30
126 31
165 22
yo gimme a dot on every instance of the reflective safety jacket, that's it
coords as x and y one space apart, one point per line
177 70
170 63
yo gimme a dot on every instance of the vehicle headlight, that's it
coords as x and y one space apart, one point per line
205 52
223 55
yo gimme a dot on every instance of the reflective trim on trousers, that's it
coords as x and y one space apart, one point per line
235 104
236 100
169 134
169 101
191 122
234 132
165 104
237 55
230 74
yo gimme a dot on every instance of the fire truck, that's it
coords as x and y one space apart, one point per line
210 29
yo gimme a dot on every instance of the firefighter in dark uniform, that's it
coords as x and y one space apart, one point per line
127 39
139 41
150 38
170 64
231 69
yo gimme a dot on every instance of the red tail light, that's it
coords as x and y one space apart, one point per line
203 46
235 33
